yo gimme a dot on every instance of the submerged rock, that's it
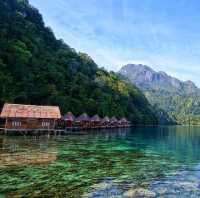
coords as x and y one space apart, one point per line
139 192
105 189
161 190
188 186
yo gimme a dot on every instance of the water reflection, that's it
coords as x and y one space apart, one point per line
21 151
181 142
138 162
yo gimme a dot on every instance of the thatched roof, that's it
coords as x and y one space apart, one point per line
68 117
30 111
83 117
123 120
113 119
105 119
95 118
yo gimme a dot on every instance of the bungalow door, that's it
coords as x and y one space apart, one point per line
32 123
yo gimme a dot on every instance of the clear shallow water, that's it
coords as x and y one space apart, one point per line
138 162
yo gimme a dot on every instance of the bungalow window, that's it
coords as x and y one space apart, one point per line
16 123
45 124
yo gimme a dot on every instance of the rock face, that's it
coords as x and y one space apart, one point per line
178 99
146 78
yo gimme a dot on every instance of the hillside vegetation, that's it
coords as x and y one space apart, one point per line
36 68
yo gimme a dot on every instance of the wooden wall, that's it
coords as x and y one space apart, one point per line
29 123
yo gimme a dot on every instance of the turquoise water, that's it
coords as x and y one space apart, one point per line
138 162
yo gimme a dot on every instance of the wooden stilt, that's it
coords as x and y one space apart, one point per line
6 126
54 124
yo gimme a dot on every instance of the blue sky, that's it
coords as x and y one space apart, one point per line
164 34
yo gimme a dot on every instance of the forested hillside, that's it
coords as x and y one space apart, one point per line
36 68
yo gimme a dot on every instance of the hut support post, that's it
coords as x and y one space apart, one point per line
54 124
6 125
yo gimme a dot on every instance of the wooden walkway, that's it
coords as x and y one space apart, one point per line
38 132
30 131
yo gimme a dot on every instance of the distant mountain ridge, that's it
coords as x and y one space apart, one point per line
180 99
145 77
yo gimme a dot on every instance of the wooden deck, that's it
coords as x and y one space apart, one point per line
31 131
69 130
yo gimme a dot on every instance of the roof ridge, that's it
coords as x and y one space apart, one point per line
14 104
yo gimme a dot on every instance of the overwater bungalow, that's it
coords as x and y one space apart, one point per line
114 121
123 122
105 122
83 121
68 119
29 117
95 121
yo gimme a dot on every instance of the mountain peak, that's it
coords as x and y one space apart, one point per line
147 78
138 66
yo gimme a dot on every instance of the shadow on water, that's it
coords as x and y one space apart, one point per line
137 162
